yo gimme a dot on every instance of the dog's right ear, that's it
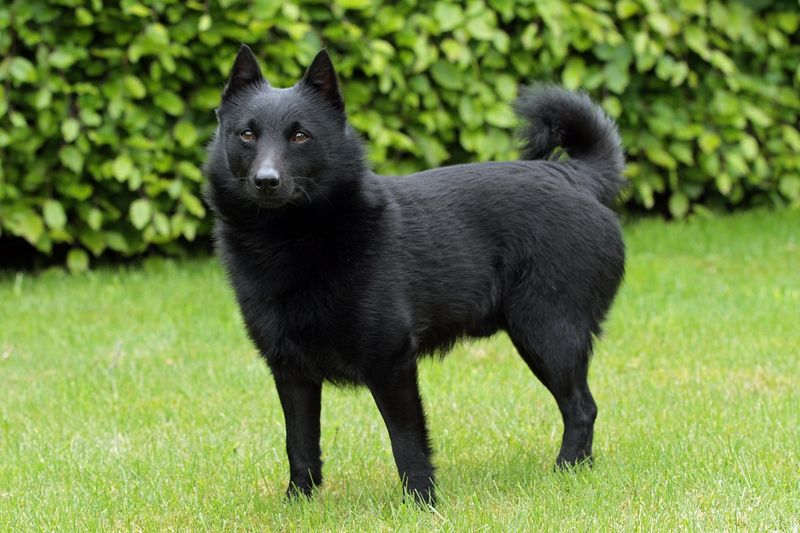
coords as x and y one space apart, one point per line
321 76
245 72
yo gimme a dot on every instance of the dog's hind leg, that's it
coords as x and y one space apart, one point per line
557 351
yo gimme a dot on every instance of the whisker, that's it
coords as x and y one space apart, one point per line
309 180
326 197
304 192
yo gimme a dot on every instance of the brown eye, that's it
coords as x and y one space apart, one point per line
300 137
248 136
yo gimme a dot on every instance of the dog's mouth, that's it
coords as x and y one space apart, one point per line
270 203
285 195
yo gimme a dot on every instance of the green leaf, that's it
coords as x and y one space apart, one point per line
617 76
42 99
573 73
72 158
757 115
70 129
722 62
155 37
185 133
749 146
204 24
90 118
140 213
54 215
682 152
709 142
710 163
469 111
724 183
501 115
117 242
529 36
353 4
77 260
18 120
790 187
27 224
431 148
697 40
736 165
660 157
78 190
789 21
645 191
138 10
169 102
626 9
206 98
139 142
678 205
134 87
193 204
612 106
448 16
161 223
455 51
123 167
83 16
506 87
663 24
23 70
95 218
62 58
190 171
446 75
93 240
791 136
482 27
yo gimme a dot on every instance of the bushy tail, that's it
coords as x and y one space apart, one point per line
558 118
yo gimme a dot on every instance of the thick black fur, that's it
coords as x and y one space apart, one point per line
349 277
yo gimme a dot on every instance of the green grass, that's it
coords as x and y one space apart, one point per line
131 399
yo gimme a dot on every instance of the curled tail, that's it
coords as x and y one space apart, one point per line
558 118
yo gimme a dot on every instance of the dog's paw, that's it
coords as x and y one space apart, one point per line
301 488
422 495
578 461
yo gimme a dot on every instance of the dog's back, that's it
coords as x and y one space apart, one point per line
474 236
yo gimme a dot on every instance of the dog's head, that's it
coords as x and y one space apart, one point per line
276 147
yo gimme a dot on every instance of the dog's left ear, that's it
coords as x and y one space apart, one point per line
321 77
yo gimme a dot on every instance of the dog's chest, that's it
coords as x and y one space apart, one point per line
301 316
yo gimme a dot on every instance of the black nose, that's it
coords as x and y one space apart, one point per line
267 179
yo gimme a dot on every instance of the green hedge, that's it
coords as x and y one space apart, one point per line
104 111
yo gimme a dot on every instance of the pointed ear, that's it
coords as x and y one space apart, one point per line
245 72
321 77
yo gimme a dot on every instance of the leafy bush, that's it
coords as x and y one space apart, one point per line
104 111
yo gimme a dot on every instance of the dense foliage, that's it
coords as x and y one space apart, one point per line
105 109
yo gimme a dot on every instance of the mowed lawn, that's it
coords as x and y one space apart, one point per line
130 398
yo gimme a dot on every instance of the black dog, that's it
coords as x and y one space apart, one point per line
349 277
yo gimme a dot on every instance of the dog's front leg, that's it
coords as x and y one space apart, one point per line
397 395
301 405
